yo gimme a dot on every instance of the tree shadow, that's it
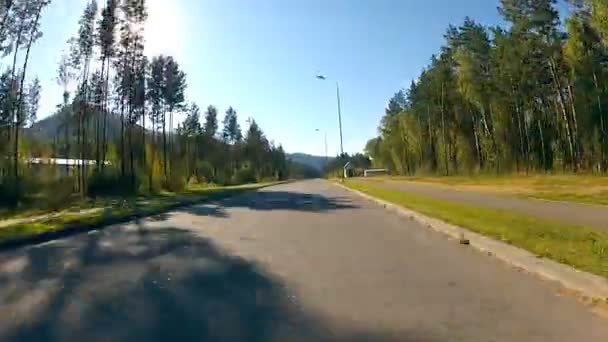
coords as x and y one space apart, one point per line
126 284
274 200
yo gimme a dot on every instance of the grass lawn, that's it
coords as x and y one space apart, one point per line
116 209
575 188
581 247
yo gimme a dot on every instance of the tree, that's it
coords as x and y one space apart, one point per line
210 127
191 130
32 102
155 86
257 148
174 85
81 55
232 130
106 41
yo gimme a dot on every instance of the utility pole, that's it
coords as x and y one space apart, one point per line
323 78
340 117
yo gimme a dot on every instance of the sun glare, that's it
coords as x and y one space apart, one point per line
164 28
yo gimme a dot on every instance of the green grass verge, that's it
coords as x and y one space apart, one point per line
597 199
581 247
116 209
581 188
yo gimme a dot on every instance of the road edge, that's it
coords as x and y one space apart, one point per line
71 229
588 286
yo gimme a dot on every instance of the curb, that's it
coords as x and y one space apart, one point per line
585 284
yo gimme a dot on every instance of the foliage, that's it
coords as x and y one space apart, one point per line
524 98
115 120
358 163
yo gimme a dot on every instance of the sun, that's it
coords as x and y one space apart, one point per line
164 31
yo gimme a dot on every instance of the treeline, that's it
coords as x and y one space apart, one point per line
528 97
117 114
358 164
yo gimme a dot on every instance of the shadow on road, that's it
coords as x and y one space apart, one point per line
274 200
129 284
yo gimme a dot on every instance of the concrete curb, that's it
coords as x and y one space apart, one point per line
585 284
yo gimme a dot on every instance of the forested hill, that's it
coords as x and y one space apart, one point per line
316 162
529 96
55 125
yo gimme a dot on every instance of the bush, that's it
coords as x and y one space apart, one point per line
174 183
59 193
110 183
9 193
244 176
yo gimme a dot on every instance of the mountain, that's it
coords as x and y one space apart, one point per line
316 162
52 126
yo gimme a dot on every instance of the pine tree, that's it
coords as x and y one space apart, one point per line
211 126
232 130
81 55
106 40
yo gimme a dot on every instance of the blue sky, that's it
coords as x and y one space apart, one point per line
261 57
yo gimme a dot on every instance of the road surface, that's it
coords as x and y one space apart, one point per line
593 216
305 261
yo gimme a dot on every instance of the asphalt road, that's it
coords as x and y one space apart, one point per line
298 262
593 216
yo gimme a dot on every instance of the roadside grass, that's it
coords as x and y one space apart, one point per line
590 189
116 209
580 247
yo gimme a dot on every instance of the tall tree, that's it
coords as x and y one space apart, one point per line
106 40
211 124
81 55
232 130
173 92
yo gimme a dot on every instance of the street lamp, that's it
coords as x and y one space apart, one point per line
323 78
325 133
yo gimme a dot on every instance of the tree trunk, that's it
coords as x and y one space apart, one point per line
122 137
542 143
562 105
132 159
575 123
171 137
152 154
445 149
477 145
14 94
603 128
21 86
528 145
165 143
105 115
98 118
143 138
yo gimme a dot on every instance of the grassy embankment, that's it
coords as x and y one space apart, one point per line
581 247
110 210
574 188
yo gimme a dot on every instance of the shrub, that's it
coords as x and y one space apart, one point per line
59 193
174 183
244 175
9 193
110 183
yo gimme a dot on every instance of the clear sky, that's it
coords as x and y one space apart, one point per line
261 57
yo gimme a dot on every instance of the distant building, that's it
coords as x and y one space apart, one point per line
62 165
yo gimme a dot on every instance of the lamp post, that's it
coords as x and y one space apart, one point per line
325 135
323 78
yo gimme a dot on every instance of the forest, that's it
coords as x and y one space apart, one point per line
531 96
116 121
